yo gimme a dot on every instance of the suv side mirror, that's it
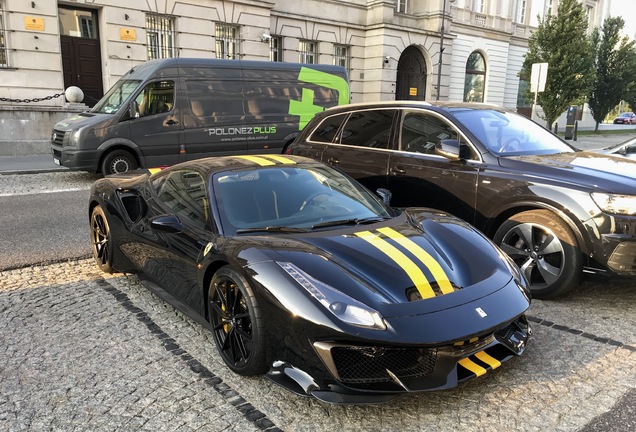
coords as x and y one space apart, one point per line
449 148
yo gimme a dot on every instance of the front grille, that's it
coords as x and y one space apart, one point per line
57 137
366 365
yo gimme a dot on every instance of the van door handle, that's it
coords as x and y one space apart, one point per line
172 122
333 161
397 171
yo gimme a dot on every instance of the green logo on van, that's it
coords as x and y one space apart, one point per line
305 108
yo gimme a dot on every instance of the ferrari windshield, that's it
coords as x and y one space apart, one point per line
507 134
309 197
116 96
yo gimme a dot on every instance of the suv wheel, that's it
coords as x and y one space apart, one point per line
545 249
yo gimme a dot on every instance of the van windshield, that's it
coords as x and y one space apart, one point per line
116 96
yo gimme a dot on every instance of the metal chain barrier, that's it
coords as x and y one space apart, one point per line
55 96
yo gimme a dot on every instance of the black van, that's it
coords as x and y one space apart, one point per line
173 110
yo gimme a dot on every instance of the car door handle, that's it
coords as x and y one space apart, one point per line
397 171
333 161
172 122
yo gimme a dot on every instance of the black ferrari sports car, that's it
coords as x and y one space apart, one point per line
303 274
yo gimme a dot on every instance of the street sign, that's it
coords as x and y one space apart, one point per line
538 77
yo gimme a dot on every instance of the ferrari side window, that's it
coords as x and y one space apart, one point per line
184 193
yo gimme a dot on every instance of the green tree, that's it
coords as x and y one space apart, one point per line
562 42
615 64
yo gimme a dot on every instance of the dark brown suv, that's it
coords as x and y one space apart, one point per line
557 211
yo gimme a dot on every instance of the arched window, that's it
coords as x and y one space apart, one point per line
475 81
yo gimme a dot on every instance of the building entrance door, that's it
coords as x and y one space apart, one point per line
411 76
81 55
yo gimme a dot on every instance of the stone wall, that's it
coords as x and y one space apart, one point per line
26 130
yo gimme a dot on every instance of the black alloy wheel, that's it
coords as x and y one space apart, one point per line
235 320
545 249
101 240
117 162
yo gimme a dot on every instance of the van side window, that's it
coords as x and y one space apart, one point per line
327 130
156 98
184 193
210 99
370 128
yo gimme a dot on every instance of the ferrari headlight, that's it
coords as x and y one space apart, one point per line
339 304
517 274
615 204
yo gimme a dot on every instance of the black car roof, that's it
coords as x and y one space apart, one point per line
212 165
415 104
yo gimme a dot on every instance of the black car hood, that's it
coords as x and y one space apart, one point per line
451 249
587 169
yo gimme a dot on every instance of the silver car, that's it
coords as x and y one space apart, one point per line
626 149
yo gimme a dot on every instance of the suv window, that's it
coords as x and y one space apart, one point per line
370 128
328 129
421 132
183 192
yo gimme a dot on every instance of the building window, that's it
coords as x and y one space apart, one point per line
227 41
307 51
521 12
401 6
475 80
341 56
276 49
478 6
159 36
4 60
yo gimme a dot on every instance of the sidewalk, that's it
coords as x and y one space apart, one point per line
44 163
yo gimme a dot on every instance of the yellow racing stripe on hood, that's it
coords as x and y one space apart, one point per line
436 270
258 160
281 159
412 270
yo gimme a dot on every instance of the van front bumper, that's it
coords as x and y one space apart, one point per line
75 159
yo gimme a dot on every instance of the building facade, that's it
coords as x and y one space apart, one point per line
468 50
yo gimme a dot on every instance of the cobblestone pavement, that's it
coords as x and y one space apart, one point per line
81 350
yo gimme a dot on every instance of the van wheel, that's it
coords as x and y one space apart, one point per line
118 161
545 249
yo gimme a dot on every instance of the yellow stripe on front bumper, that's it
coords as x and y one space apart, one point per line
488 359
281 159
411 269
421 254
258 160
472 366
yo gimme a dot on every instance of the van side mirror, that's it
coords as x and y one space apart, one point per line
449 148
133 111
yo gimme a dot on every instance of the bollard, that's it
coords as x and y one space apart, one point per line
576 129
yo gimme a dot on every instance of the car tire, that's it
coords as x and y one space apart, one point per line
236 322
545 249
118 161
101 240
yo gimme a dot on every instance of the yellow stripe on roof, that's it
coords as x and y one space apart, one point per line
281 159
488 359
472 366
412 270
258 160
421 254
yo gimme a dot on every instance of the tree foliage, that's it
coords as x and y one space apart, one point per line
562 42
615 63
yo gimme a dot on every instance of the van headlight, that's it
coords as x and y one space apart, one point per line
339 304
73 138
615 204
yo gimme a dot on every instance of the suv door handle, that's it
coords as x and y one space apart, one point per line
172 122
397 171
333 161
